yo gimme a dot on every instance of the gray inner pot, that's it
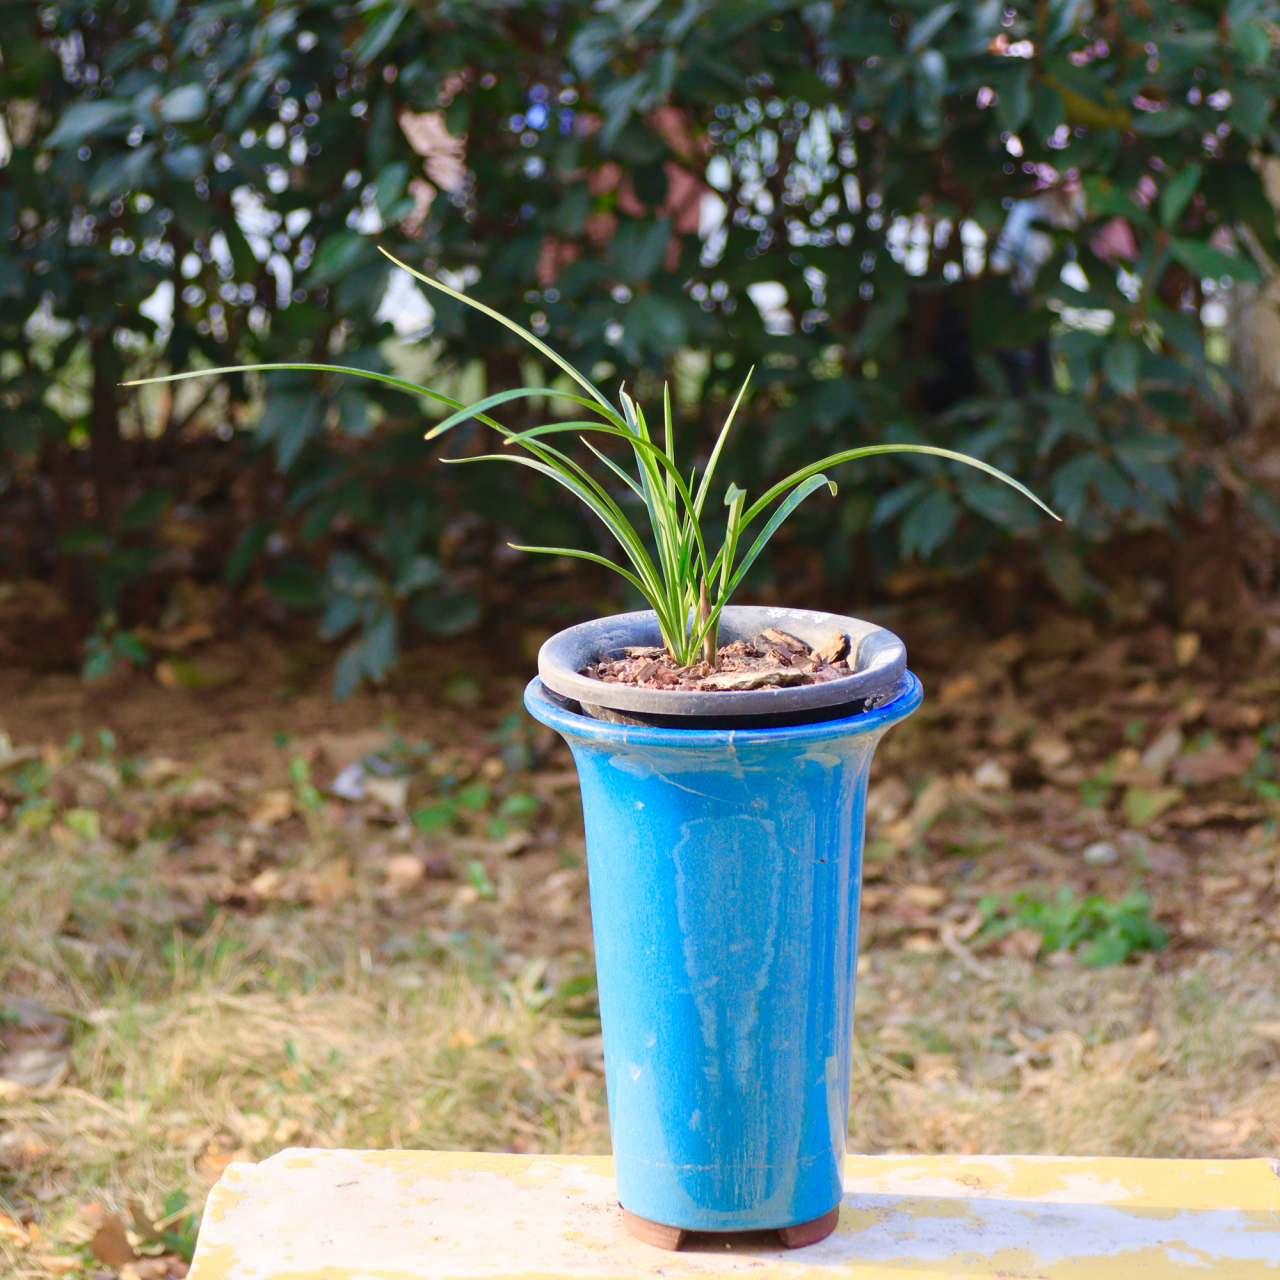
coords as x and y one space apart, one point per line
879 659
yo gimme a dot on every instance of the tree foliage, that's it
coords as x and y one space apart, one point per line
986 227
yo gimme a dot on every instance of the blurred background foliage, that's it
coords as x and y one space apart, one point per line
1015 229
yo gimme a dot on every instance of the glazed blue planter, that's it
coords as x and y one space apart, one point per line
725 872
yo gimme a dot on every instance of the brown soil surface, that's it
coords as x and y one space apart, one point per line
1097 758
774 659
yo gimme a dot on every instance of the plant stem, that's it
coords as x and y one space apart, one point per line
709 640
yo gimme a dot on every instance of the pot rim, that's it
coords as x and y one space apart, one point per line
880 657
545 706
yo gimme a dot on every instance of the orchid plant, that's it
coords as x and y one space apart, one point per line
684 582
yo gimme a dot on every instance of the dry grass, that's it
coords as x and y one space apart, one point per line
285 1028
246 969
277 1029
1121 1061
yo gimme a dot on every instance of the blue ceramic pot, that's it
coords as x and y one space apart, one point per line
725 872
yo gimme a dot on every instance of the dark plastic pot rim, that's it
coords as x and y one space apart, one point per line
878 658
558 714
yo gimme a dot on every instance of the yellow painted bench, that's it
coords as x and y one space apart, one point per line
427 1215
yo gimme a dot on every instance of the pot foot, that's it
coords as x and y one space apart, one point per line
661 1236
657 1234
805 1233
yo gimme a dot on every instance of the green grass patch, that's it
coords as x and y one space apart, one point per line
1096 931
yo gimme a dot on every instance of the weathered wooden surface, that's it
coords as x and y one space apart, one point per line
423 1215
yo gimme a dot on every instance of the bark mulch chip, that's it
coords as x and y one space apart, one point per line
773 659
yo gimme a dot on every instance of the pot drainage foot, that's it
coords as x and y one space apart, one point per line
657 1234
804 1233
661 1236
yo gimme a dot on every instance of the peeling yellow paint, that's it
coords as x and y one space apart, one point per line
1135 1183
853 1219
933 1208
324 1215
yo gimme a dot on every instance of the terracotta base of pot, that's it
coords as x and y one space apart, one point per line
661 1236
810 1232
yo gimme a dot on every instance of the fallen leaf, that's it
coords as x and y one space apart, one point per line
1008 648
1266 1030
58 1265
1143 805
169 1267
32 1046
920 944
935 1066
1191 710
403 872
995 1066
272 807
143 1227
349 783
344 749
957 689
391 793
1146 694
929 804
27 1024
1134 1055
266 884
887 800
1202 815
92 1212
1229 1132
197 677
1220 886
1185 648
1235 715
991 775
1214 764
217 1155
1127 770
1022 942
330 883
35 1068
21 1147
1163 751
15 1231
509 845
202 795
161 769
175 641
189 534
110 1243
1107 659
11 756
928 896
1050 752
951 938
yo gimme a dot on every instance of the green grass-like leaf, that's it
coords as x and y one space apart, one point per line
685 584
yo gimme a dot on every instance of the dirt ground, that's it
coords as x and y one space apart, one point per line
236 916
